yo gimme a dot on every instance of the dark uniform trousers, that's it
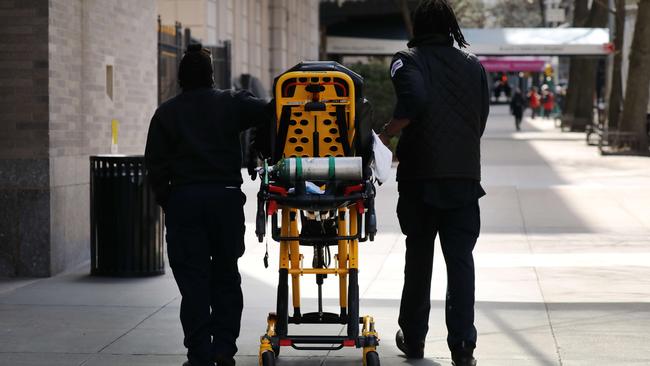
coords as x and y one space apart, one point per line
205 238
458 226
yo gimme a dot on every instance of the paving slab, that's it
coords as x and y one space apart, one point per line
42 359
69 329
80 288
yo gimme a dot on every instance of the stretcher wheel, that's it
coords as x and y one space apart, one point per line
268 359
272 321
372 359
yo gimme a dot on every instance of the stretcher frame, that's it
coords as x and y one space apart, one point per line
317 94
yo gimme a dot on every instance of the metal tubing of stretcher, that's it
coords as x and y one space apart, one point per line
334 271
314 199
343 259
284 245
354 244
295 258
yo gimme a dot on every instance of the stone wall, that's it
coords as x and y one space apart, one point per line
294 33
24 164
56 106
268 36
56 110
86 38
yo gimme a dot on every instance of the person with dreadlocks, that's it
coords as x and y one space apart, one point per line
441 111
193 158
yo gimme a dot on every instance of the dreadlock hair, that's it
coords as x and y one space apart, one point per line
437 17
195 69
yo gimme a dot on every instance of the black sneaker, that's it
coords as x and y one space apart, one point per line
415 350
188 363
463 356
225 361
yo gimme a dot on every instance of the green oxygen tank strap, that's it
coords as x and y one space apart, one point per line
298 168
332 168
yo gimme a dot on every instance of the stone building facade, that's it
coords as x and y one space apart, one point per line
70 67
24 138
67 69
267 36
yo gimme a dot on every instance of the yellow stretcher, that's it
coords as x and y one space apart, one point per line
317 191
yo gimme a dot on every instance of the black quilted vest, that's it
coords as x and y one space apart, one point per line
444 141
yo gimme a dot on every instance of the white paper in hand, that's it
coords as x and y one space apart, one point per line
383 159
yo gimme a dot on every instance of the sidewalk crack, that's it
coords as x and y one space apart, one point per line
137 325
539 284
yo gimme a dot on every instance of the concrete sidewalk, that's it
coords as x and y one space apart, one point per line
563 275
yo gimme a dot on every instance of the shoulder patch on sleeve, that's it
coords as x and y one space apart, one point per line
396 66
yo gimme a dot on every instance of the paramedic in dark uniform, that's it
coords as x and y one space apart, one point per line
193 157
441 112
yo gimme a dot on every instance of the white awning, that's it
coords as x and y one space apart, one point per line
495 42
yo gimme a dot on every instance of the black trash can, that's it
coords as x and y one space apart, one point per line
126 224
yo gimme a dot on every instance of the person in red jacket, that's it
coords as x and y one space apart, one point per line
548 100
534 101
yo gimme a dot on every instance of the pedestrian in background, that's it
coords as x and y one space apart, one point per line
442 107
534 101
548 101
193 156
517 106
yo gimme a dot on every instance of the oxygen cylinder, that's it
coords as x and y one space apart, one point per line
320 169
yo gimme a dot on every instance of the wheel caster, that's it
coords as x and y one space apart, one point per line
267 359
272 321
372 359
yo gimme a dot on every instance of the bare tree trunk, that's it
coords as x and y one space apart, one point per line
580 14
616 92
406 15
637 92
582 72
542 9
